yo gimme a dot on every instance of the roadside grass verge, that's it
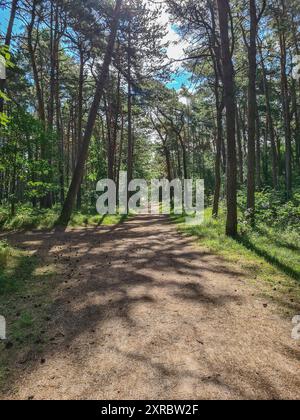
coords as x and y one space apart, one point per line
270 258
29 218
25 295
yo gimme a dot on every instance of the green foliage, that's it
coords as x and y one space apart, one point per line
20 156
3 96
4 120
272 210
4 52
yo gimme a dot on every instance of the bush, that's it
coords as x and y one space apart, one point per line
273 210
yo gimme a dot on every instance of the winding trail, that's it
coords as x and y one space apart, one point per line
141 312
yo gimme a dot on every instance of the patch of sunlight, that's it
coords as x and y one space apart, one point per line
44 270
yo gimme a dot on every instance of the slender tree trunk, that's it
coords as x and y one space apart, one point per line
79 170
219 139
112 109
37 84
285 103
270 123
229 97
129 105
216 58
52 69
252 110
240 147
119 163
165 148
184 156
266 153
60 133
114 132
80 115
297 124
258 151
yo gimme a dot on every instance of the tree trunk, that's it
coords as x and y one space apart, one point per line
286 105
258 151
240 147
31 50
80 116
252 110
219 139
229 98
165 148
297 124
270 123
129 101
60 133
119 162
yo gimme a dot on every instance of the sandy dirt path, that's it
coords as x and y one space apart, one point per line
141 312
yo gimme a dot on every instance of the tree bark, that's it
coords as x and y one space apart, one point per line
285 104
270 122
80 115
165 148
229 98
258 151
31 49
240 147
129 105
252 110
219 140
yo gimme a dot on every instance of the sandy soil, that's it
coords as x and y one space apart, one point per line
141 312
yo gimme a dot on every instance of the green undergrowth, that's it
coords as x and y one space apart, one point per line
29 218
270 257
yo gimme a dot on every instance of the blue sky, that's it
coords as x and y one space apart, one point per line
180 79
4 17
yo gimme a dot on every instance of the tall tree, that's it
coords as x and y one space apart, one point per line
229 99
282 32
252 106
79 170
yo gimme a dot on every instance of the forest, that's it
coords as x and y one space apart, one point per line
173 89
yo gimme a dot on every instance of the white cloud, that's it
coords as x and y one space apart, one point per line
176 44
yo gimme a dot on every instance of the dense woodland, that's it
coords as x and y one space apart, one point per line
87 95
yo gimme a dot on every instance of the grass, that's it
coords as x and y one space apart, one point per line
25 294
4 253
29 218
268 256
